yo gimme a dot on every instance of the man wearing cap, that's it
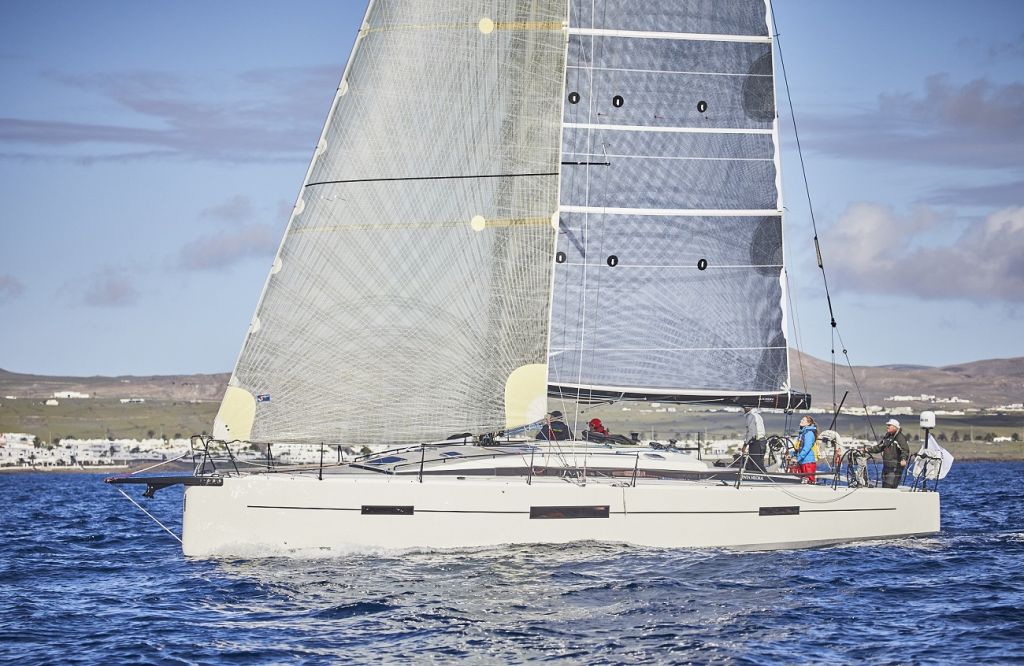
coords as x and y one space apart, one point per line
555 428
895 453
753 440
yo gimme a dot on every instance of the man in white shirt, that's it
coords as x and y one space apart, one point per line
753 440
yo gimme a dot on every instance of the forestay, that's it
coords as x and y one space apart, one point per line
410 297
669 256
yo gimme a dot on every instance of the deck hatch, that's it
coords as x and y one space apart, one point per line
569 511
387 510
779 511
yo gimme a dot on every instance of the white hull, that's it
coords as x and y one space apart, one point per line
276 513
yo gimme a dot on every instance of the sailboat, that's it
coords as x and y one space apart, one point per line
516 203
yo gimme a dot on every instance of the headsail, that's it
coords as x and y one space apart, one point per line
410 296
668 281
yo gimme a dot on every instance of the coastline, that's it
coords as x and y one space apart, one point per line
175 467
97 469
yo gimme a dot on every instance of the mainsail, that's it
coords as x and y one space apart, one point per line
668 281
410 296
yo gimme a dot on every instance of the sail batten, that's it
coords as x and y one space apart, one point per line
694 212
783 399
582 388
664 71
653 34
729 17
666 129
555 350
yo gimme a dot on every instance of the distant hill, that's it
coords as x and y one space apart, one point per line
984 383
165 387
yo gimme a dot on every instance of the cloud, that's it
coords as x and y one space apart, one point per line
106 288
10 288
878 254
64 133
260 115
994 51
1012 50
86 160
220 249
242 238
978 106
236 209
1000 194
977 124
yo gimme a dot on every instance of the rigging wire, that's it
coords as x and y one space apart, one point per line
154 518
856 384
817 243
791 301
803 171
795 318
159 464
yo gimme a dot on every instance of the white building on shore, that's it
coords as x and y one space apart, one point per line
70 395
25 450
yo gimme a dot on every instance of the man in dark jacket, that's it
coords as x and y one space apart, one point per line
555 428
895 453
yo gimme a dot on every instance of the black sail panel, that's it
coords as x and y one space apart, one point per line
669 265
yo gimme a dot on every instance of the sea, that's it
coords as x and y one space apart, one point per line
87 578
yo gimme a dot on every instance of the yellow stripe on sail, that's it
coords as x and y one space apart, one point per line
434 224
521 26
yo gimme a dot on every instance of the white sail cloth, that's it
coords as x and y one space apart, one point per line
932 462
411 293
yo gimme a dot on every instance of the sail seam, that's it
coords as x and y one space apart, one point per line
687 36
693 212
668 71
682 130
646 349
408 178
667 157
687 266
663 391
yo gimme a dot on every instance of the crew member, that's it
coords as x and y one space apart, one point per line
598 427
555 428
754 442
806 462
895 453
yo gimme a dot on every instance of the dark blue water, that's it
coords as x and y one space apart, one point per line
87 578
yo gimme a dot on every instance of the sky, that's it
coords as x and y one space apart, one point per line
150 154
